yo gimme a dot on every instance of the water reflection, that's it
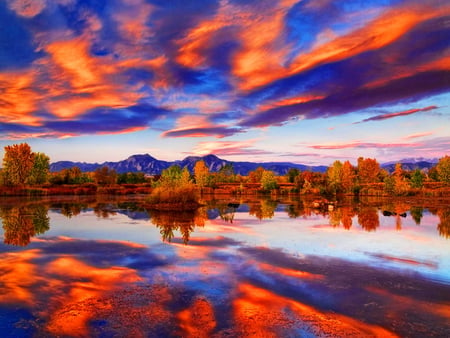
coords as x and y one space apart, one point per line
184 222
20 223
24 219
247 270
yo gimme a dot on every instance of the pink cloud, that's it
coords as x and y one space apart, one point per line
363 145
418 135
403 113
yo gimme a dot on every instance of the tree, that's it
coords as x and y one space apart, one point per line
104 176
334 176
292 174
17 164
170 177
443 169
401 186
348 177
226 173
417 179
201 173
256 175
40 169
268 181
368 170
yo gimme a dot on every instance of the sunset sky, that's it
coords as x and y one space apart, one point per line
301 81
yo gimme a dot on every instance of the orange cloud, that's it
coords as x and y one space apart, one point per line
290 101
18 99
81 82
132 21
259 63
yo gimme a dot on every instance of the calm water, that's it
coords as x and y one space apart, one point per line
103 266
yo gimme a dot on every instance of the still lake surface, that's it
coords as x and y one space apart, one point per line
104 266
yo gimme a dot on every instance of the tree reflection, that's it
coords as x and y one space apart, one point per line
227 211
368 218
72 209
184 221
342 215
265 208
417 214
23 222
444 224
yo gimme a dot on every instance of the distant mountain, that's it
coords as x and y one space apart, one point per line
411 164
152 166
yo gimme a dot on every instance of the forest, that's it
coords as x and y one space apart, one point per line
25 172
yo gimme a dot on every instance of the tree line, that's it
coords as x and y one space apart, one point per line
22 166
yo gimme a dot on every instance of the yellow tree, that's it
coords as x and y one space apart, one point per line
334 176
17 164
201 173
40 169
443 169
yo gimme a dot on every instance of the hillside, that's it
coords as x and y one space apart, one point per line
152 166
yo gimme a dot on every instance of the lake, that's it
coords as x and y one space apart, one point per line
103 266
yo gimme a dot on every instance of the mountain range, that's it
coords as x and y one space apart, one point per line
152 166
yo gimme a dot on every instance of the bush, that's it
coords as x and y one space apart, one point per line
176 196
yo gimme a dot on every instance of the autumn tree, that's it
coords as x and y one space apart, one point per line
256 175
268 180
40 169
443 169
17 164
368 170
348 177
105 176
201 173
401 186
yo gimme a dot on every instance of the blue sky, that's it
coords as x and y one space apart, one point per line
302 81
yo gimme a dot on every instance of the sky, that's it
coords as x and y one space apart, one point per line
292 81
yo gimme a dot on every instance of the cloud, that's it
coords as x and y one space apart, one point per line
222 148
392 115
363 145
418 135
27 8
216 68
216 131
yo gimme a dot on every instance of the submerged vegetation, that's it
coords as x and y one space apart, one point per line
27 173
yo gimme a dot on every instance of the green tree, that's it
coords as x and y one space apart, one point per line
17 164
417 179
268 180
389 185
292 174
443 169
170 177
39 171
226 173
